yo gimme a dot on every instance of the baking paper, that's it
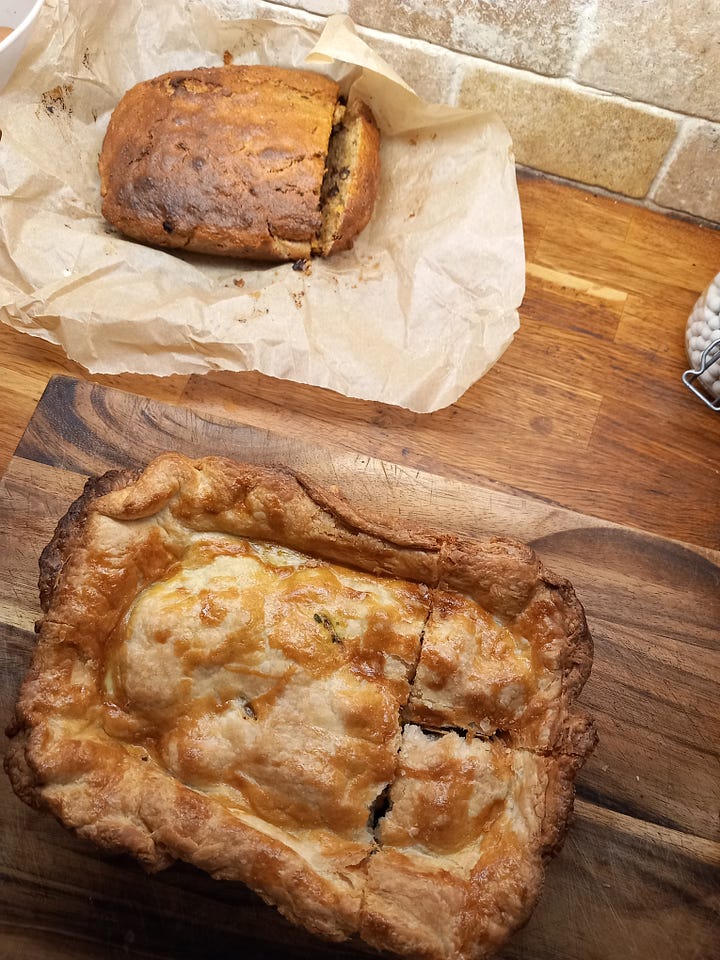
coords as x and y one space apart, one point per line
421 307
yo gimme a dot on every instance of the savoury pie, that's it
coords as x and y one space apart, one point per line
370 725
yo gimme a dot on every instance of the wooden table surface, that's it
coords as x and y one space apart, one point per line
586 407
581 430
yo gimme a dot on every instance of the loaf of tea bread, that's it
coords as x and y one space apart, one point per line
243 161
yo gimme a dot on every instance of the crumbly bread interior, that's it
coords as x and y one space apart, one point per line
342 158
350 182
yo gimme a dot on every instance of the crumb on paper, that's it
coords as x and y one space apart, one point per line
227 58
298 299
54 101
239 282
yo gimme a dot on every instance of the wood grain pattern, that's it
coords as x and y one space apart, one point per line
640 873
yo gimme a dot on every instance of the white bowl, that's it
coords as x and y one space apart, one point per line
20 15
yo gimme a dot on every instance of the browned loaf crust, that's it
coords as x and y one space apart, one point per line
236 667
232 160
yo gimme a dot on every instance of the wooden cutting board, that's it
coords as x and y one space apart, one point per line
639 876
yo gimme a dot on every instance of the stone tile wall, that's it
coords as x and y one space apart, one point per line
621 95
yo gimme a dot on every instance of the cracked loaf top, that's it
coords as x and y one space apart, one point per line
370 725
242 161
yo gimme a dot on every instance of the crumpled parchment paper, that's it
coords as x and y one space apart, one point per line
421 307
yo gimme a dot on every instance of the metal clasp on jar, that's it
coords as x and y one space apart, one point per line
702 339
691 378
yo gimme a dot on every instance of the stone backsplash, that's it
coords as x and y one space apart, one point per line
617 95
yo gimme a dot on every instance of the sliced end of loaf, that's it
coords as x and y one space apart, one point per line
350 184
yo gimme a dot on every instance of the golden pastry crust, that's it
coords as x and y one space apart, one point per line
231 160
227 673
